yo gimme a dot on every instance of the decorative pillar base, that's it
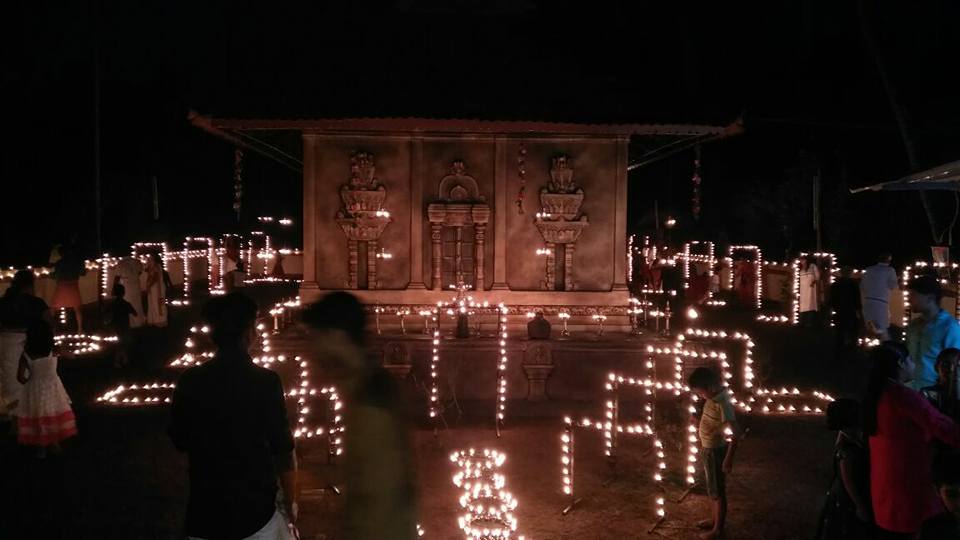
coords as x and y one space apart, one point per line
537 375
399 372
417 285
500 287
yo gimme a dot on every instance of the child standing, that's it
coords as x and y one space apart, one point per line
946 478
120 313
44 416
717 452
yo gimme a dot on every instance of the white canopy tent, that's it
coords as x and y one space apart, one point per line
944 178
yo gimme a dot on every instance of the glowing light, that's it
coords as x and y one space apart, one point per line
488 506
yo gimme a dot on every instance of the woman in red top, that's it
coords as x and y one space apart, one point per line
902 426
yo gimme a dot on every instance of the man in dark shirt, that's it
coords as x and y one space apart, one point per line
845 302
229 416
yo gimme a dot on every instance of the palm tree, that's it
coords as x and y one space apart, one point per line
899 113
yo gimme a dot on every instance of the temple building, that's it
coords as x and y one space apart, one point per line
402 210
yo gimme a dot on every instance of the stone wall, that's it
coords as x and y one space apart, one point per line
410 166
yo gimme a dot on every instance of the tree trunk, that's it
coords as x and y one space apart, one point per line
898 112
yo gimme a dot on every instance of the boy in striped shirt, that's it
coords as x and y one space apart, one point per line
717 450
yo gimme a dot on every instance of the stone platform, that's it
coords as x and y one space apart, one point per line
570 368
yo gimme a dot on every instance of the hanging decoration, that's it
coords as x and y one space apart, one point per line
522 173
237 181
696 183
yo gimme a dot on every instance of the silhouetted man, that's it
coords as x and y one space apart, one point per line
230 418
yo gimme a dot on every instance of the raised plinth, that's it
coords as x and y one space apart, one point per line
556 369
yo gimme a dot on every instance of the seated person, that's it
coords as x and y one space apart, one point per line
946 478
847 511
943 395
538 327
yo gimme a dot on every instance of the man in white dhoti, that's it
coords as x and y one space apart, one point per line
809 293
128 272
877 283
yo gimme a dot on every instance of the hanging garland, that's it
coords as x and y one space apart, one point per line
237 180
696 183
522 173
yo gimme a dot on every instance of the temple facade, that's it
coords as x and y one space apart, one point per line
401 210
403 216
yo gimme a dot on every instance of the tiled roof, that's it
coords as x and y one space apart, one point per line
465 125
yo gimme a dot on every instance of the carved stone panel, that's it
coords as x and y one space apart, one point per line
560 221
459 205
538 353
458 186
396 354
362 217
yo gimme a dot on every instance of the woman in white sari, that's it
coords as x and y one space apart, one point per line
156 293
809 291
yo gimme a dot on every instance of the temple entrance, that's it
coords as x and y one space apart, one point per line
458 253
458 228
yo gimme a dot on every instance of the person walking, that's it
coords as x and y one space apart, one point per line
809 291
67 272
19 309
127 273
901 426
230 417
931 332
156 292
380 494
877 283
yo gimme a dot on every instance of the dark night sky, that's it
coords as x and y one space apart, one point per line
798 71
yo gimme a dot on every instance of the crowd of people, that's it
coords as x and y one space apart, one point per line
897 452
897 449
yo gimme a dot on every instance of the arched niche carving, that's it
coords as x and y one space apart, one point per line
459 207
458 186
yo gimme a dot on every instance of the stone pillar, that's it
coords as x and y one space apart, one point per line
352 263
436 230
550 281
480 234
372 264
416 214
568 284
500 215
537 376
309 212
620 221
458 255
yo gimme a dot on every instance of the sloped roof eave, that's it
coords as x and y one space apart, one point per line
438 125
